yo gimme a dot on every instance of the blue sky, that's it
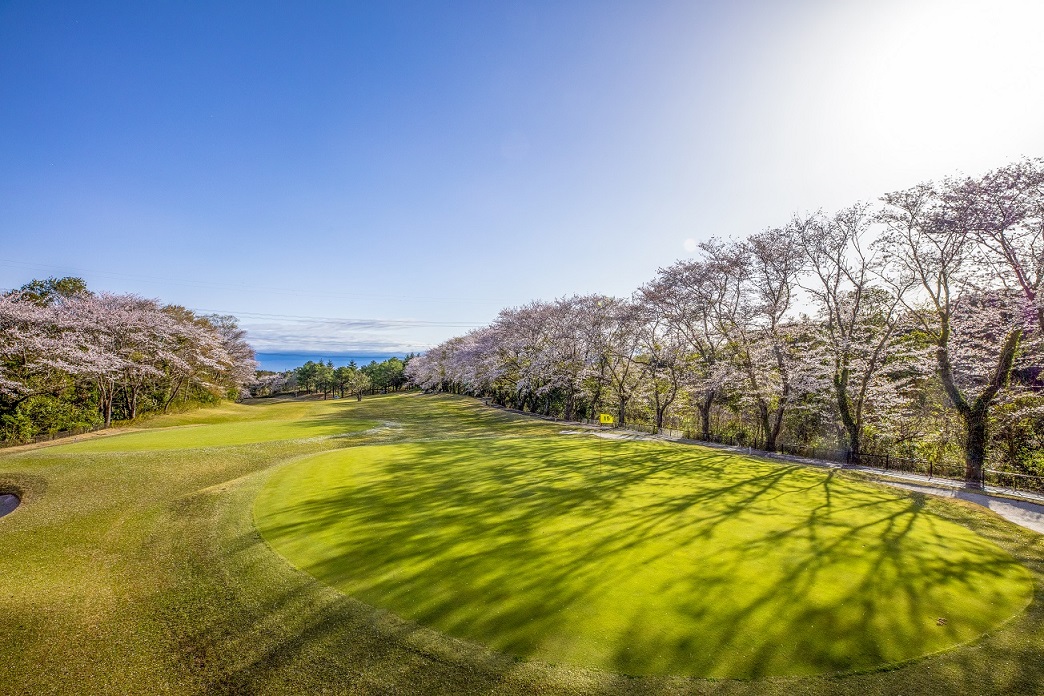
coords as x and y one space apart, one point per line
377 177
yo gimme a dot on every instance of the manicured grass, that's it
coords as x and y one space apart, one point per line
286 422
665 560
142 572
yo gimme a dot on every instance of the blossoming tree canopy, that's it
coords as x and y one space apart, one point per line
68 356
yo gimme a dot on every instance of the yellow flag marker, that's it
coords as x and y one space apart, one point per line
605 419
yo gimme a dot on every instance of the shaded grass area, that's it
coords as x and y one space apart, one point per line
665 560
141 572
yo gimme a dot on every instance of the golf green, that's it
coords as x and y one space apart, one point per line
642 558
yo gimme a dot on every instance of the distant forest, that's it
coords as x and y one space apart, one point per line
324 378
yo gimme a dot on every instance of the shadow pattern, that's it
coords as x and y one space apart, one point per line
656 561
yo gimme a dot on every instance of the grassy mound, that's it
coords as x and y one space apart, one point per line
664 559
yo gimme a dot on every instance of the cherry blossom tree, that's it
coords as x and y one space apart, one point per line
686 295
30 349
758 279
120 342
975 329
858 315
55 335
1003 212
620 352
239 367
662 358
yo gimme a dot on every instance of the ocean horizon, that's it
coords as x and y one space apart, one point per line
280 361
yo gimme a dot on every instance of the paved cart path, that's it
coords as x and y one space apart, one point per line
1021 512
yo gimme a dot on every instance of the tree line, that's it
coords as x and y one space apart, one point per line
323 378
911 324
75 359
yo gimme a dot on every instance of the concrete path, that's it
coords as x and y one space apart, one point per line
1021 512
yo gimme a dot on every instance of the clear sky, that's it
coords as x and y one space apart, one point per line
380 176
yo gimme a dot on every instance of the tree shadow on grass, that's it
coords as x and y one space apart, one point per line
647 566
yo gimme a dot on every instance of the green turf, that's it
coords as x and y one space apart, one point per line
664 560
142 572
246 429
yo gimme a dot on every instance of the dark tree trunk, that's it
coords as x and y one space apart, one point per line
776 428
848 419
705 410
770 436
105 395
975 447
975 414
173 394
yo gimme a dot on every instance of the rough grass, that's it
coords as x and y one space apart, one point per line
141 572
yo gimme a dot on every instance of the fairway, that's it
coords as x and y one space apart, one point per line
239 431
663 559
428 544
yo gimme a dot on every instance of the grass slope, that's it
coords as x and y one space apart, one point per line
142 572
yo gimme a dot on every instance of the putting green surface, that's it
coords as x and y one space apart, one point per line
664 559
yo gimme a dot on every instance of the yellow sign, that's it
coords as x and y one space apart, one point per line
605 419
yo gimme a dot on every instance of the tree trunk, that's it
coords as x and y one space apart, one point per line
132 402
705 411
173 394
975 447
844 407
770 437
776 428
105 394
975 414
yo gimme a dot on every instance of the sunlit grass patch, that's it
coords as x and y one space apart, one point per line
240 427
